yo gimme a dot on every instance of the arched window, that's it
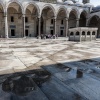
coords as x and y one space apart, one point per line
88 33
83 33
93 33
12 18
71 33
77 33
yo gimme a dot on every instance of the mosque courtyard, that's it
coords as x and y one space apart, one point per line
56 56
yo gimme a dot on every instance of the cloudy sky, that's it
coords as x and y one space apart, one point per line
95 2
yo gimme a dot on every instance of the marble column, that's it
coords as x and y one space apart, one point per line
80 36
6 26
23 21
91 36
55 26
77 22
85 35
66 26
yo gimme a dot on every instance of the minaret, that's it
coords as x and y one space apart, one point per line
86 1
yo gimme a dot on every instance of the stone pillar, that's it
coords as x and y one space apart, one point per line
95 35
85 35
80 36
66 27
55 26
91 35
6 26
77 22
39 27
23 21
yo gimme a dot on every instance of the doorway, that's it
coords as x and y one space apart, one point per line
26 33
12 32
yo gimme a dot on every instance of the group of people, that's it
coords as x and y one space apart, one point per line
48 36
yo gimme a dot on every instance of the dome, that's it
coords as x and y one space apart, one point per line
68 2
78 4
88 5
97 8
59 1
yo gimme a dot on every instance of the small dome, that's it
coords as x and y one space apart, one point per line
88 5
59 1
78 4
68 2
97 8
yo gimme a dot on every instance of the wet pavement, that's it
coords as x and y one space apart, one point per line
71 69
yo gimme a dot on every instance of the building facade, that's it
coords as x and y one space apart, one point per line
31 18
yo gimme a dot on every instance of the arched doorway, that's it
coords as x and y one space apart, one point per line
31 21
2 35
95 22
72 19
15 25
61 23
82 21
47 21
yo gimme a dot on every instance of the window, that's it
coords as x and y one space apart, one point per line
26 19
83 33
71 33
12 19
77 33
51 32
26 32
62 22
12 32
93 33
61 32
51 21
88 33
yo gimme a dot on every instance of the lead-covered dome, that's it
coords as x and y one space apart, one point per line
59 1
88 5
97 8
78 4
69 2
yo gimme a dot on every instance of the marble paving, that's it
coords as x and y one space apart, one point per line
55 56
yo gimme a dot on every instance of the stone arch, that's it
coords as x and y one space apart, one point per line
32 12
14 16
83 18
49 6
61 21
96 17
17 2
75 11
64 9
35 5
73 16
1 3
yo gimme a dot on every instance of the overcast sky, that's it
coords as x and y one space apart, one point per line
95 2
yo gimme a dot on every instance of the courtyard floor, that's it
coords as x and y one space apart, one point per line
18 55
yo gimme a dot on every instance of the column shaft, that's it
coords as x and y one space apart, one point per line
6 26
77 22
66 27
